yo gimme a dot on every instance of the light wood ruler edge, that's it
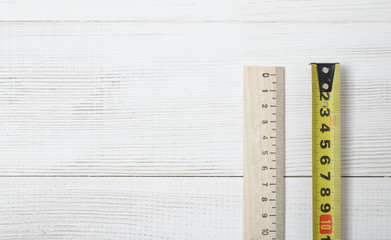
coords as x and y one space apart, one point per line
263 170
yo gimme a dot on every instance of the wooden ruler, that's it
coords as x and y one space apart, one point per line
263 170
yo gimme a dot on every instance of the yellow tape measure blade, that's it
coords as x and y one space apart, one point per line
326 151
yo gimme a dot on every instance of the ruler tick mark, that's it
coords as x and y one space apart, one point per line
266 84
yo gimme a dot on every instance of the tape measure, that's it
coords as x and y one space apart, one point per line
263 171
326 151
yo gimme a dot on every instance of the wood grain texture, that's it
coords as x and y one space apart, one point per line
263 159
155 88
120 208
172 208
166 98
197 10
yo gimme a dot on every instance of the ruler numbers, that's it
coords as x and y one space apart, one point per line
263 153
268 147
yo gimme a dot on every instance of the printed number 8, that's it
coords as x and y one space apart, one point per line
325 192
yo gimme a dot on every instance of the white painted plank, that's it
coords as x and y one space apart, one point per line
172 208
120 208
166 98
197 10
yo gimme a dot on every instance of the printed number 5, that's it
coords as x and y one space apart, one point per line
325 144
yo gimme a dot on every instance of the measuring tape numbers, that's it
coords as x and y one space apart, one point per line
326 151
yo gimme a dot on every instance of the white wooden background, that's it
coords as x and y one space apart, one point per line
123 119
